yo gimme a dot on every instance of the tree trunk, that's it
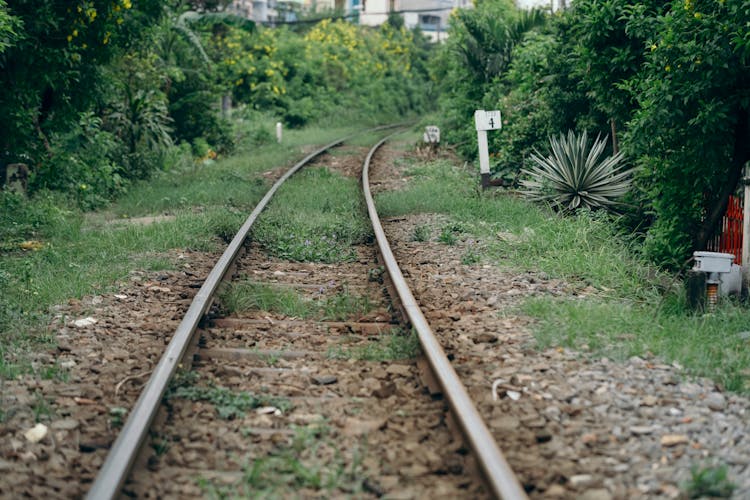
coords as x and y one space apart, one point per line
615 145
740 156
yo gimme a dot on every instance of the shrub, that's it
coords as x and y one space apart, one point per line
574 176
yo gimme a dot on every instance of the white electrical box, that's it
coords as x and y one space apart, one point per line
713 262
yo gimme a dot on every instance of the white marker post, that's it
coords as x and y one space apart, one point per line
484 121
278 132
431 135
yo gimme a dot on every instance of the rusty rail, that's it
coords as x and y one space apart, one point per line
497 472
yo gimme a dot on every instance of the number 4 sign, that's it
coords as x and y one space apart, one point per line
484 121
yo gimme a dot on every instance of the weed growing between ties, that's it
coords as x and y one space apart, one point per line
311 462
627 307
709 482
245 296
421 233
387 347
228 404
317 217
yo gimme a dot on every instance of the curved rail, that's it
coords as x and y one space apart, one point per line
120 459
497 472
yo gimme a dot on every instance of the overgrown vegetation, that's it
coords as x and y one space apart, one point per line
107 92
318 225
665 80
625 306
52 254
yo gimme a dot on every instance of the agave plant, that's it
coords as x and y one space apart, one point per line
574 175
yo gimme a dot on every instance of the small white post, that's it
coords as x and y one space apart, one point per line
484 121
278 132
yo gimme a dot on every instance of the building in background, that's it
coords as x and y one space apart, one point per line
430 16
554 5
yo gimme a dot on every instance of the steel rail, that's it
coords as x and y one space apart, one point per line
119 461
497 472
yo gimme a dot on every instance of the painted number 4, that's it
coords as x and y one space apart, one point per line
487 120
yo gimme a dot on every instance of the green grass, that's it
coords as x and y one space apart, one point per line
243 295
709 482
637 309
317 216
74 254
312 461
421 233
229 404
388 347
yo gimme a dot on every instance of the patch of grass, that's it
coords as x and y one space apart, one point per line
448 236
41 408
316 217
117 416
706 345
311 461
709 482
471 257
388 347
228 404
421 233
247 295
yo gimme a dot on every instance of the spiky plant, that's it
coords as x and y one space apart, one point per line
574 175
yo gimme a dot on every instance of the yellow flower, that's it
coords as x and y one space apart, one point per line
70 38
127 4
667 68
119 20
75 32
653 47
697 15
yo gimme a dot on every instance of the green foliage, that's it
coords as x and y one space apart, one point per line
388 347
666 80
574 175
711 482
54 65
9 26
476 55
690 130
421 233
229 404
342 66
83 163
311 462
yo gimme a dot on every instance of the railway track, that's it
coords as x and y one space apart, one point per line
325 398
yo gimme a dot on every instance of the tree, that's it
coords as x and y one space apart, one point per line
691 130
52 72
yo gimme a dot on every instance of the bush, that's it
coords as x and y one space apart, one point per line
82 163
